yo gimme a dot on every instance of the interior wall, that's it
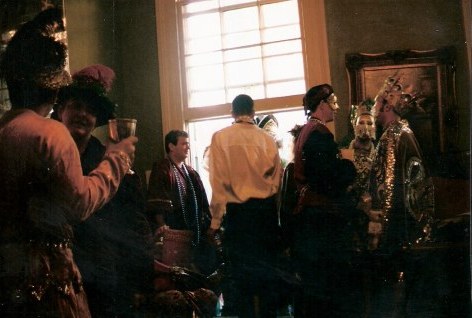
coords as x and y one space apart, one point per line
91 35
138 58
91 39
121 35
367 26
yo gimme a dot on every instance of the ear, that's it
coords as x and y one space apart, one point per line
171 147
323 105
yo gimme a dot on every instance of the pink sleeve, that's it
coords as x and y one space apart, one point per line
80 195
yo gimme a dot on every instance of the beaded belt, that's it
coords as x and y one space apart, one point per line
60 244
36 290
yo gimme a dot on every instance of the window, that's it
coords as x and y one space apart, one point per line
279 46
252 48
212 50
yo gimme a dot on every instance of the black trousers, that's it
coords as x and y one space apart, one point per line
330 286
251 241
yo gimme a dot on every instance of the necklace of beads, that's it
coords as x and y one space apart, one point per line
244 119
316 120
191 189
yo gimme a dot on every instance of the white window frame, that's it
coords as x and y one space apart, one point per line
176 115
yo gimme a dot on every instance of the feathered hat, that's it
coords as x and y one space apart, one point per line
407 103
34 57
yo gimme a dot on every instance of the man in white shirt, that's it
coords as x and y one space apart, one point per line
245 174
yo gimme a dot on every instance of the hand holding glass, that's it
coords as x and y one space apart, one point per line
121 128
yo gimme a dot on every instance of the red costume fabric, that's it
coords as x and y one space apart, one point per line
43 194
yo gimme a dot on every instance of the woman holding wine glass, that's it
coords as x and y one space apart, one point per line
44 191
112 246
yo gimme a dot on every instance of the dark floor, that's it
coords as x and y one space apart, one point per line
438 286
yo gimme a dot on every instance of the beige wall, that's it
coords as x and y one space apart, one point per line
121 34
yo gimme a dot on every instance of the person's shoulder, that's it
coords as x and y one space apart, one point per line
52 123
43 126
405 127
47 135
161 164
191 170
56 136
57 129
226 131
322 129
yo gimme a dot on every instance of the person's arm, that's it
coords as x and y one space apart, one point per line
159 196
219 181
80 195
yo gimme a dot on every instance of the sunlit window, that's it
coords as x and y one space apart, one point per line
210 51
233 47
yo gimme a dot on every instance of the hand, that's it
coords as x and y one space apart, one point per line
161 229
214 237
375 216
159 234
365 203
211 231
375 229
126 145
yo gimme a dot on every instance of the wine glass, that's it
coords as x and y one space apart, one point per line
121 128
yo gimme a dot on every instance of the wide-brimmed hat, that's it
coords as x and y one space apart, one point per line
90 86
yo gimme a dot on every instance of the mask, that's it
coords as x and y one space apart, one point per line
332 101
365 127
